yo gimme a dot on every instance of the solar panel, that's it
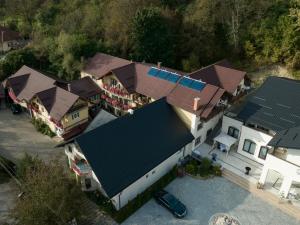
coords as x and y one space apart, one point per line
153 72
163 74
191 83
173 78
186 82
197 85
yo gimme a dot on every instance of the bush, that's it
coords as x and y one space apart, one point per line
43 128
217 171
205 167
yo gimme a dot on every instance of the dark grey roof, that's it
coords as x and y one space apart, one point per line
123 150
275 105
289 138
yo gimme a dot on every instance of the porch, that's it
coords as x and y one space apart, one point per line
232 161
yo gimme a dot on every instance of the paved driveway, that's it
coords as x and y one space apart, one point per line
205 198
17 135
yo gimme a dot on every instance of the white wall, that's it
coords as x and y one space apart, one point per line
144 182
228 121
260 138
210 124
293 156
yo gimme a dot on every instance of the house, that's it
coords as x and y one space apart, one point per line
87 89
199 97
41 96
123 157
265 129
127 85
9 39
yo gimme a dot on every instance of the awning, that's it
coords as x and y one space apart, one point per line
225 139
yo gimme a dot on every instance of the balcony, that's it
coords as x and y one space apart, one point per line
115 103
118 92
81 167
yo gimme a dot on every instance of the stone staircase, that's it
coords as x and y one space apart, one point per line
266 196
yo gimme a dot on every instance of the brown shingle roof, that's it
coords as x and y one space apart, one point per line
84 87
151 86
126 75
8 35
102 64
221 75
57 101
26 82
183 97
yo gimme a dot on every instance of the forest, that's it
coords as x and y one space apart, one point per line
182 34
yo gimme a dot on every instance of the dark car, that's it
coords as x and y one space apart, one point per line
16 109
169 201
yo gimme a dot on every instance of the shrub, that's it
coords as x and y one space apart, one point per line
43 128
205 167
217 171
191 169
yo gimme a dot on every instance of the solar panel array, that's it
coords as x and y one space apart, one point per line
164 74
191 83
174 77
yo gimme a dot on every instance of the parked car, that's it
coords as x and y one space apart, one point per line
16 109
169 201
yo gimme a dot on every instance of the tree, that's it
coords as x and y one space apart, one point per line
50 195
15 59
152 36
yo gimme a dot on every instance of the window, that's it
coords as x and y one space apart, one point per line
153 172
249 146
70 148
197 141
147 176
113 82
263 152
75 115
233 132
200 125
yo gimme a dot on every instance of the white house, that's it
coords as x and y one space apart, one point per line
127 155
266 130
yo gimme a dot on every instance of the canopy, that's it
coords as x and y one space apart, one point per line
226 140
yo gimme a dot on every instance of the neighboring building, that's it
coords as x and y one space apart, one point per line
42 97
266 129
88 90
130 85
9 40
125 156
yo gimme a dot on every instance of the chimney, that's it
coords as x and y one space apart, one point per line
196 104
69 87
158 65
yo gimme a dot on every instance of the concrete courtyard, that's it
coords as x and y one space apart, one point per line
17 136
205 198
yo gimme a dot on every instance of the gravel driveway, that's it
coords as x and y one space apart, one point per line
17 135
205 198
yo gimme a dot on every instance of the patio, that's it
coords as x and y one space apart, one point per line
232 161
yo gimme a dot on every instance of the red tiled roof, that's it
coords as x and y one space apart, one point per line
221 75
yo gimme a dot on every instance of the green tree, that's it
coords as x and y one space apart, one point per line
49 197
152 36
15 59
